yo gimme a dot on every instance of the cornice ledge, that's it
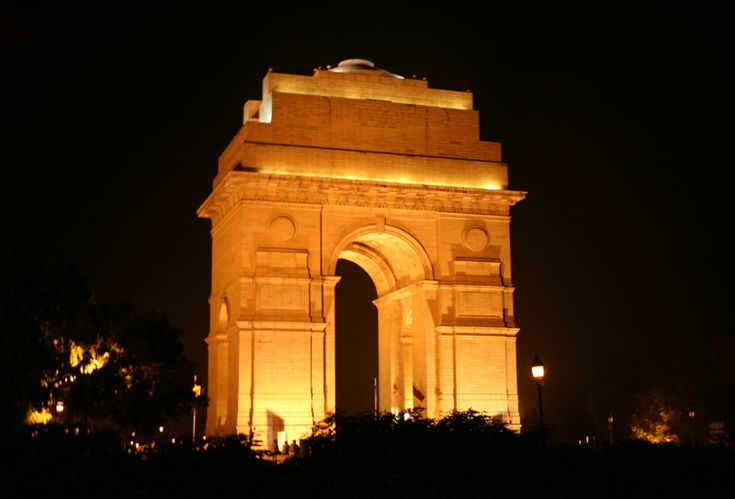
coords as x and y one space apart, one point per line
254 186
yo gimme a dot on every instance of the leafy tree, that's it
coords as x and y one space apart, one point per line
148 379
109 364
655 420
43 308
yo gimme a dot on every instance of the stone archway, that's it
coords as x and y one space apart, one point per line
400 268
356 341
387 173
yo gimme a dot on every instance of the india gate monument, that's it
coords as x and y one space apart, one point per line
356 163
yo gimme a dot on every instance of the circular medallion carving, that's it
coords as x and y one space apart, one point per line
282 229
476 239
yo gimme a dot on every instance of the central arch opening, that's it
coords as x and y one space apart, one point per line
356 340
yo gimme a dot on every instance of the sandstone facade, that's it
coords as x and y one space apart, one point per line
360 164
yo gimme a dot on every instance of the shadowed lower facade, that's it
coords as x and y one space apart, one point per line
357 163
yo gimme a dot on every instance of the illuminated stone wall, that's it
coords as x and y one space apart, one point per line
391 175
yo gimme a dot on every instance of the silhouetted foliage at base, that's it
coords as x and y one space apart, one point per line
465 454
463 451
51 461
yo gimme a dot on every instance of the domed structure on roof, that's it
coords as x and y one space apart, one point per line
361 66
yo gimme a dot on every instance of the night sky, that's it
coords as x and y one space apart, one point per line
617 123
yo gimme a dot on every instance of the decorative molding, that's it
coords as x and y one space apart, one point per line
240 186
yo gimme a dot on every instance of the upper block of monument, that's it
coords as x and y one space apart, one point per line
359 79
358 121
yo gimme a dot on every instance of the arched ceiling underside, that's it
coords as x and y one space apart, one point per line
393 260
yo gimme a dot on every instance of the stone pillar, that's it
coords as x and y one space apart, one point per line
217 353
329 372
284 378
391 379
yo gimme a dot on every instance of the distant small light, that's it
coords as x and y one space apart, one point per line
160 429
406 416
173 440
59 406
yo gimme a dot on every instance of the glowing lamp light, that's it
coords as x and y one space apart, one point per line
160 429
196 389
59 406
537 369
610 421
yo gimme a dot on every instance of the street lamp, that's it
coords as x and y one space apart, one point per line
610 421
197 391
61 418
538 372
692 428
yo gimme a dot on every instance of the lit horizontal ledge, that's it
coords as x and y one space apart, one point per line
498 331
306 161
290 326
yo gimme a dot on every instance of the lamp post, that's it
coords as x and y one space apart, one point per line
610 421
197 391
61 417
692 427
538 372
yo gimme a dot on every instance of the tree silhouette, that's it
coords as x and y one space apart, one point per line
43 307
110 364
148 379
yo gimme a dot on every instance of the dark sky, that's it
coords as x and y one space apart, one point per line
617 123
